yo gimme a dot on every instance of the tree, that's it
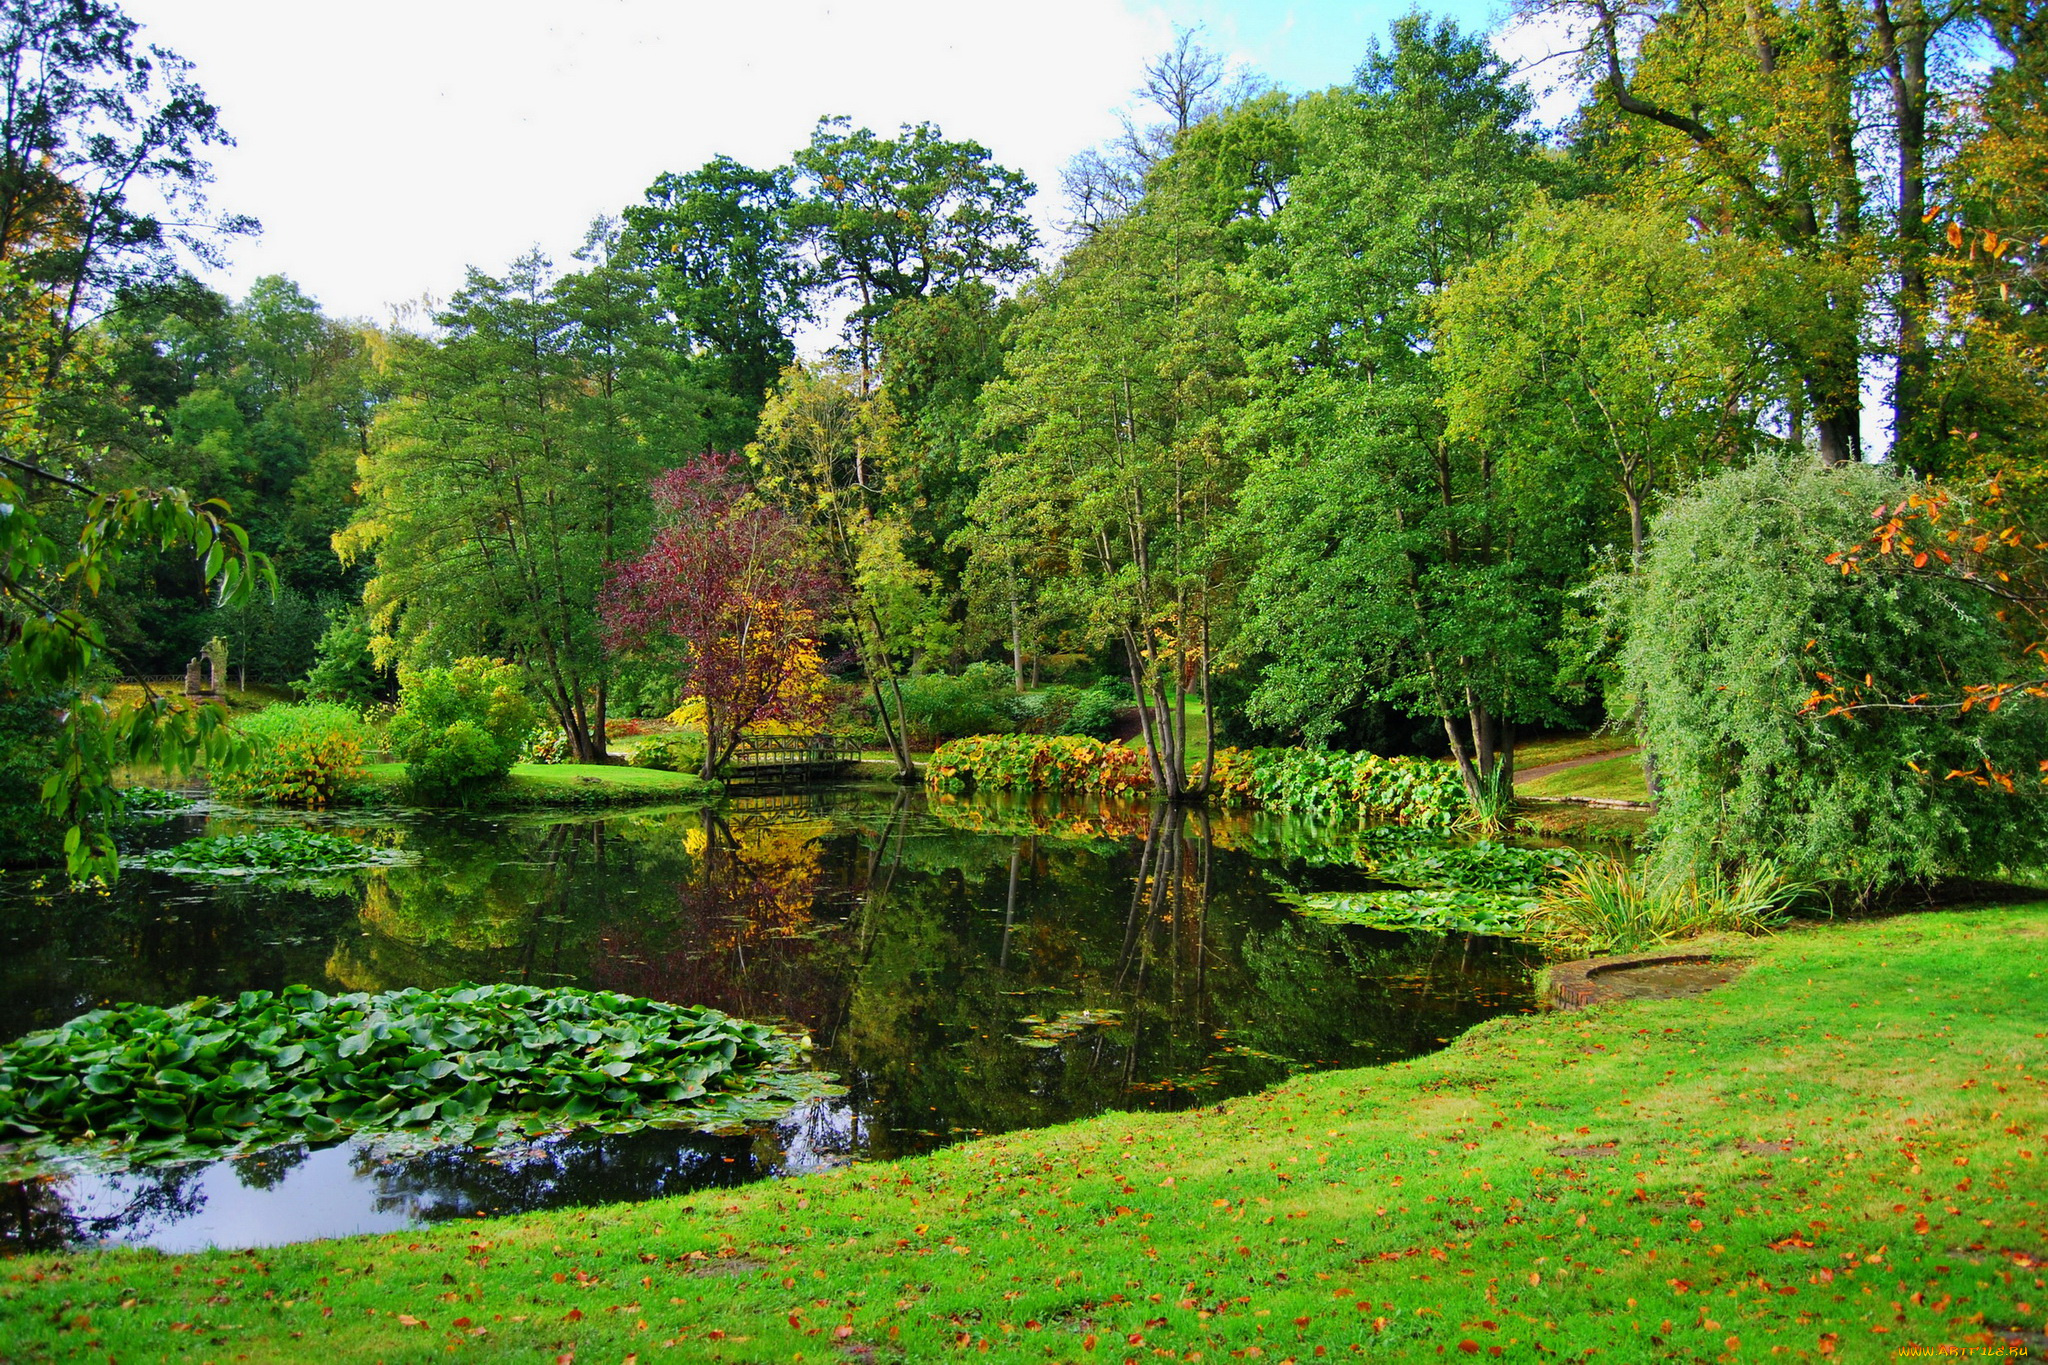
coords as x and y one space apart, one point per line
507 483
96 129
1432 563
1184 85
89 122
721 247
729 592
1751 119
1740 620
1622 330
889 219
825 456
1108 476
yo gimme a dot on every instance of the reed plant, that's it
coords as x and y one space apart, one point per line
1606 905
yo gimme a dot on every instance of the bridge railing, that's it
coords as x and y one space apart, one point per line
769 751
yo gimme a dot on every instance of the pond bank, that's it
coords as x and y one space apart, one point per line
1838 1155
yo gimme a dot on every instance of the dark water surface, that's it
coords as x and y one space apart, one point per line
916 938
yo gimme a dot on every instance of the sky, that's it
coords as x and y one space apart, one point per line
388 144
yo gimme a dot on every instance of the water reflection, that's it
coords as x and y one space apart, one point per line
963 966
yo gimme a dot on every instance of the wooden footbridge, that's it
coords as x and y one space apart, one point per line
788 759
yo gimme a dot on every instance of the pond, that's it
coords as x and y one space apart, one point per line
963 965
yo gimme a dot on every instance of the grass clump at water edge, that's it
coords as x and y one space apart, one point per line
1608 905
1717 1177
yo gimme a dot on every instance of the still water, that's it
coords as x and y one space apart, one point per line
963 965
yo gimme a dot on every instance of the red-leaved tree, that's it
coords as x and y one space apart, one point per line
729 590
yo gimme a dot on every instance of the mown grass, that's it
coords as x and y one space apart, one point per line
1837 1157
1536 753
1613 779
547 784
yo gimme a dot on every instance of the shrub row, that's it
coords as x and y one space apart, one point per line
1050 763
1424 793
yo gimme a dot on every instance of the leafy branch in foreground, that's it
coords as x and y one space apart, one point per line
468 1064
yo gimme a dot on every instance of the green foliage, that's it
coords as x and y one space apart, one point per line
461 727
30 726
1063 710
300 755
1438 911
1326 783
1606 905
1037 763
471 1064
941 706
140 803
1432 567
269 854
517 452
343 670
682 752
1738 620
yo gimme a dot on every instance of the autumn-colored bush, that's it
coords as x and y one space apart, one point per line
1065 763
304 755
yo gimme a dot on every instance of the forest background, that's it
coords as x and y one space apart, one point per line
1358 417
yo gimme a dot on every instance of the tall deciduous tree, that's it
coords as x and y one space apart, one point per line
1108 466
1430 567
889 219
721 247
95 134
825 455
507 481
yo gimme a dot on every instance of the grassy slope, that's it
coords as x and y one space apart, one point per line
1535 753
1617 779
1407 1210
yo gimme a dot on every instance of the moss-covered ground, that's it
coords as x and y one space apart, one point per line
1838 1157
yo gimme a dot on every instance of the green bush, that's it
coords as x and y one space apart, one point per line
303 755
1422 792
1063 710
1737 619
976 701
461 727
342 668
681 752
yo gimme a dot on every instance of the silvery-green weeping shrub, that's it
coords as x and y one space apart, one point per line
1737 619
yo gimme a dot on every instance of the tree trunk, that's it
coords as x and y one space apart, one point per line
1466 771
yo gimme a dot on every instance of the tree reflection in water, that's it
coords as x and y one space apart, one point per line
964 966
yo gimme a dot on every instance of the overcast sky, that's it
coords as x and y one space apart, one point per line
387 144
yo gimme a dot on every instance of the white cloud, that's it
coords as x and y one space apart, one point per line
386 144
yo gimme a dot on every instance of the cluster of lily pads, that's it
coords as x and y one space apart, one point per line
1482 887
140 1084
141 804
284 851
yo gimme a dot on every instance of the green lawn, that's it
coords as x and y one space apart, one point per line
1838 1156
1615 779
576 783
1535 753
